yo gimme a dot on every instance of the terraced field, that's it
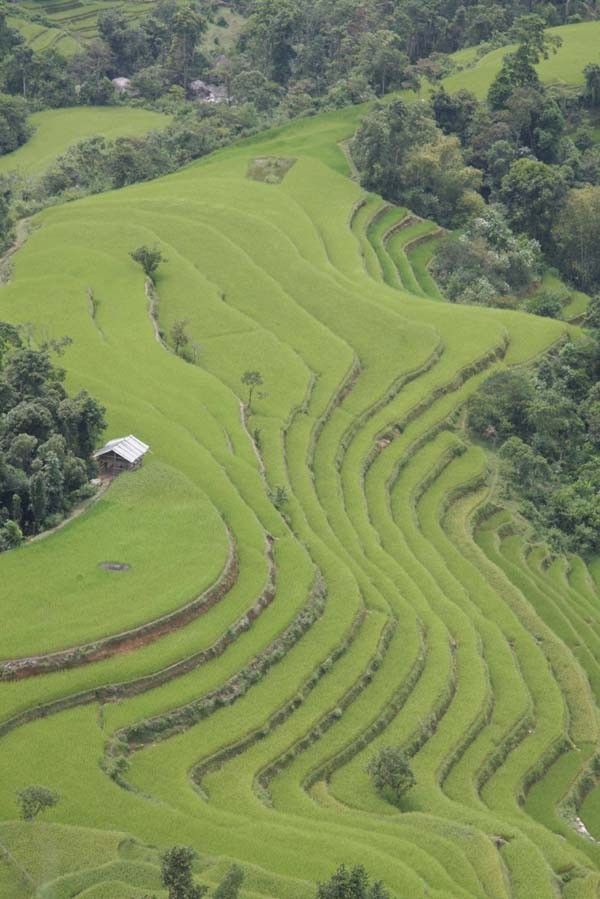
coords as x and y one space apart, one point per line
253 657
68 24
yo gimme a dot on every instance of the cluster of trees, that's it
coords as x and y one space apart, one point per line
402 154
352 883
523 152
46 438
546 424
324 43
486 262
177 877
98 163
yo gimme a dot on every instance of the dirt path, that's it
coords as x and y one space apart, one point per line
79 510
344 146
12 860
22 232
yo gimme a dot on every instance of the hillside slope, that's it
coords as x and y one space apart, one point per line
383 602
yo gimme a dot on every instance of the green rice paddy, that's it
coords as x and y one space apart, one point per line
394 603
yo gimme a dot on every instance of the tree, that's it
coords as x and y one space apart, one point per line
39 76
503 404
35 799
351 884
252 380
176 874
486 261
38 498
186 28
268 37
230 886
547 303
178 335
92 67
524 467
11 535
402 154
14 129
591 91
577 236
454 112
592 315
149 258
383 60
534 194
518 67
517 71
391 772
55 483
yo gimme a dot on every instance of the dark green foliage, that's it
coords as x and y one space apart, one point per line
547 428
176 874
351 884
43 77
35 799
14 129
487 261
391 773
548 303
251 380
592 84
454 113
149 258
279 497
534 193
503 405
179 336
518 68
402 154
230 886
577 236
46 439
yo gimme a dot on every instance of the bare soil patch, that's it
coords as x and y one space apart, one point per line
270 169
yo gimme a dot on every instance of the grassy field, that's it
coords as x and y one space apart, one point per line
58 129
580 46
386 602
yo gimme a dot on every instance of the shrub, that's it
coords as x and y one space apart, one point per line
391 773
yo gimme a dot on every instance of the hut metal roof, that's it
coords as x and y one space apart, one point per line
129 448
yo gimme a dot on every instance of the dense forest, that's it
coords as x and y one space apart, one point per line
545 424
46 438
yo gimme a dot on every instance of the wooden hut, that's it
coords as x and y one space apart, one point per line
121 454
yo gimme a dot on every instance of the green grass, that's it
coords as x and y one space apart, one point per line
365 377
58 129
193 550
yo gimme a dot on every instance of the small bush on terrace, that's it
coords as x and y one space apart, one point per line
391 773
35 799
351 884
149 258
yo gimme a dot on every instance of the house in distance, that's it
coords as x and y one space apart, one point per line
121 454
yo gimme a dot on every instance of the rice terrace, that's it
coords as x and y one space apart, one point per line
288 556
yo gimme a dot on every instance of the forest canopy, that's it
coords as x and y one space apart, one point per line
46 438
